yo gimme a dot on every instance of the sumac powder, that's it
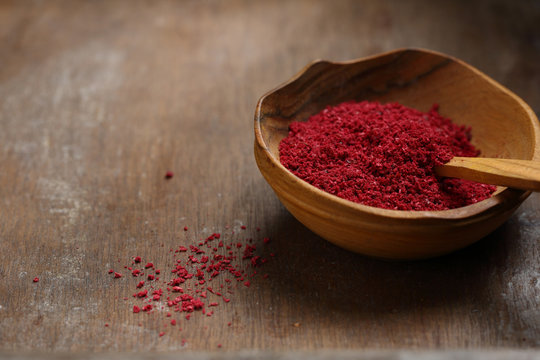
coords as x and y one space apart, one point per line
382 155
202 277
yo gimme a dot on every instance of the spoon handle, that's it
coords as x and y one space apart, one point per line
518 174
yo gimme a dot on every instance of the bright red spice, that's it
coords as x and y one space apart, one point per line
382 155
36 279
200 279
169 175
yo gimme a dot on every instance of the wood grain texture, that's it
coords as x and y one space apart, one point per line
98 99
518 174
502 354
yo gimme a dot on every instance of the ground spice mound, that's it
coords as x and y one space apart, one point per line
382 155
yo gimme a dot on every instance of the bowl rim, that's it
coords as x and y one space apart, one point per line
470 211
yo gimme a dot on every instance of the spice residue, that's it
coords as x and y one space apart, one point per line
201 278
382 155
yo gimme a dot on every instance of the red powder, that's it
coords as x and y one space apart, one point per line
196 280
169 175
36 279
382 156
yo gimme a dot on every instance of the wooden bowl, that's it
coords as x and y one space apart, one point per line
502 126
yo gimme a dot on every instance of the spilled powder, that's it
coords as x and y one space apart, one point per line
200 278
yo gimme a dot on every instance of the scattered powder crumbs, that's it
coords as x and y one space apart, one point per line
199 276
382 155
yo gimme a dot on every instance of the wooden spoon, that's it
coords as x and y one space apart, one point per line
517 174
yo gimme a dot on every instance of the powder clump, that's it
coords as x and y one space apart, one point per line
382 155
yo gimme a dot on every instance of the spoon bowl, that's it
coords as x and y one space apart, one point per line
503 126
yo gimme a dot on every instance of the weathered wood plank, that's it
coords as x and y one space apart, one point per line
99 99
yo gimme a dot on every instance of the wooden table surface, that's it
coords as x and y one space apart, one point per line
98 99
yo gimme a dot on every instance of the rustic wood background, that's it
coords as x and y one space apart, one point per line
98 99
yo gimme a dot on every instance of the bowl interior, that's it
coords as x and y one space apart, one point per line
502 125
